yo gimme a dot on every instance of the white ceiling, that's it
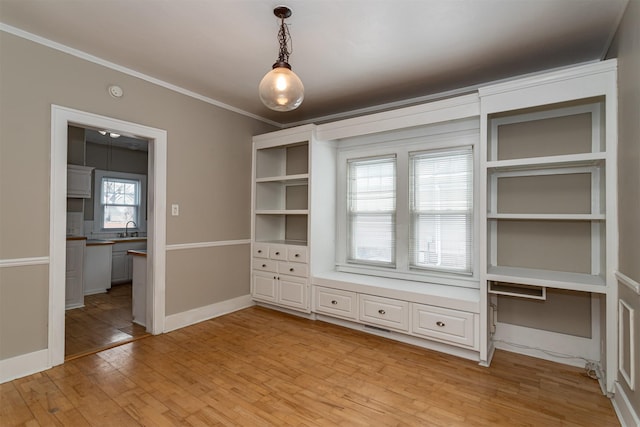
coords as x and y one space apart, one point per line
350 54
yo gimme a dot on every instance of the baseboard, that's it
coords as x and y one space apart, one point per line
197 315
552 346
624 410
23 365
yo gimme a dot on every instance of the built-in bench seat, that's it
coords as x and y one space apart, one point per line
454 297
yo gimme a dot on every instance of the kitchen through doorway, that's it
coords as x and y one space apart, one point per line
107 211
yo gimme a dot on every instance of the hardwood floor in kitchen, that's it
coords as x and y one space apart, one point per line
259 367
104 321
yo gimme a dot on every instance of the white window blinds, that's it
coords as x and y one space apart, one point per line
441 210
372 210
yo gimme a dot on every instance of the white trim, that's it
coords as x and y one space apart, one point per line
196 315
96 60
628 329
532 342
624 409
61 117
628 282
180 246
23 365
21 262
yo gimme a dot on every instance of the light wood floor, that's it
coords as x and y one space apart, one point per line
257 367
105 321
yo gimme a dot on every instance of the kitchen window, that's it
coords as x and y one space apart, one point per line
119 201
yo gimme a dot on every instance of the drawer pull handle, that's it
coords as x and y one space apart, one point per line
259 251
296 255
291 269
441 324
381 311
264 265
277 253
334 302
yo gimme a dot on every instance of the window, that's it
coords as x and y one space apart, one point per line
441 210
372 210
120 202
406 204
119 198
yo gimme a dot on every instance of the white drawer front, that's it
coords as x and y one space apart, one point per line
265 265
336 302
278 252
443 324
297 254
260 250
384 312
293 269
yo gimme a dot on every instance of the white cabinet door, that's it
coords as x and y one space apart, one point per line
119 267
79 181
264 286
293 291
74 293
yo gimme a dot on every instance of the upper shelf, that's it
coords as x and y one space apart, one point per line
547 278
571 160
301 178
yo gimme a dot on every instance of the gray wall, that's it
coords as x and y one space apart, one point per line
209 171
626 47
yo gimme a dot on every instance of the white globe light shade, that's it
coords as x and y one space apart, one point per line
281 89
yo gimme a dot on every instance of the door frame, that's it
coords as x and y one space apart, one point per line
61 118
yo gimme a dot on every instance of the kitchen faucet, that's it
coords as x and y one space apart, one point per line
126 228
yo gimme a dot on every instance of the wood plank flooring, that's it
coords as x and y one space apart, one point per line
258 367
105 321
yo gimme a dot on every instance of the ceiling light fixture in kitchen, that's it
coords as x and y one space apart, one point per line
111 134
281 89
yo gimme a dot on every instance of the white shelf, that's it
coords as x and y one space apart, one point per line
282 212
286 179
547 278
284 242
547 217
573 160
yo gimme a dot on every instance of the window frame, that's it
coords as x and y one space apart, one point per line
447 136
98 211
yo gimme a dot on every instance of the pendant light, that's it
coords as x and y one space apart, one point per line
281 89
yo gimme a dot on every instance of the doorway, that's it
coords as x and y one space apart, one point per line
61 118
110 214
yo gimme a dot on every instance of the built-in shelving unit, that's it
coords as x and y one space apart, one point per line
548 196
545 191
280 207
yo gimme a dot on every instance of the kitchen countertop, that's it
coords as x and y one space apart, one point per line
76 238
137 252
99 242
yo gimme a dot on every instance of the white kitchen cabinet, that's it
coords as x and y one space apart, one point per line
74 275
97 267
139 287
79 181
121 262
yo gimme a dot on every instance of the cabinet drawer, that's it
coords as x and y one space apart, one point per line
265 265
278 253
336 302
444 324
297 254
260 250
293 269
384 312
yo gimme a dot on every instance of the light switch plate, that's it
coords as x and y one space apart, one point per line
175 210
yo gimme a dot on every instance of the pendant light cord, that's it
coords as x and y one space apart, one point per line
284 38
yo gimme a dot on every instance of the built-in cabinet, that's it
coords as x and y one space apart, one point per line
544 217
97 266
74 282
548 206
280 206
